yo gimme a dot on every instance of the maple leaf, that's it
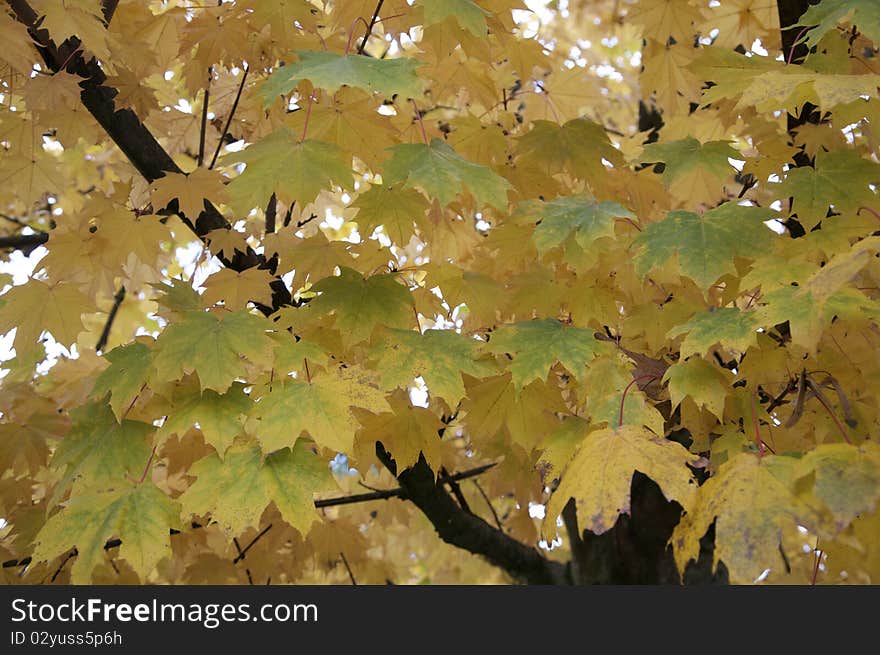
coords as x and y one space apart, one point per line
603 384
441 357
579 217
78 19
330 71
216 348
397 210
236 289
36 306
493 404
537 345
699 380
439 171
361 303
846 478
826 15
705 245
693 170
839 178
321 407
190 190
237 489
98 452
140 515
407 432
599 476
750 501
727 326
219 416
577 147
292 169
467 13
125 378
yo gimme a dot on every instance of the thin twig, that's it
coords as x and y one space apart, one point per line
204 127
369 31
399 493
246 569
66 559
229 118
348 568
489 503
456 492
242 552
105 333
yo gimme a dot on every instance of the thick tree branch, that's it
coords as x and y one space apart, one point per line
27 243
459 528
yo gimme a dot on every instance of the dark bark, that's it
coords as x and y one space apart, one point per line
27 243
460 528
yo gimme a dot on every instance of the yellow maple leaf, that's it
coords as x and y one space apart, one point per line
600 475
190 190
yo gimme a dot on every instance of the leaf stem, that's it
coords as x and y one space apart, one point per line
794 43
147 467
870 211
421 123
758 439
351 32
308 114
626 390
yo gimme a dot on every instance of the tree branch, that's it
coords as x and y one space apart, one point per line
105 333
134 139
372 24
27 243
469 532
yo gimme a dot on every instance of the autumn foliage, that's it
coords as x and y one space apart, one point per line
432 291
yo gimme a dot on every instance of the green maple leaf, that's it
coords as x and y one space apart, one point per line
825 16
691 165
577 147
292 169
320 407
603 384
839 178
808 314
98 451
130 366
236 489
361 303
213 347
219 415
469 14
396 209
331 71
705 245
846 478
578 216
704 383
750 501
727 326
537 345
440 172
140 515
599 475
439 356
